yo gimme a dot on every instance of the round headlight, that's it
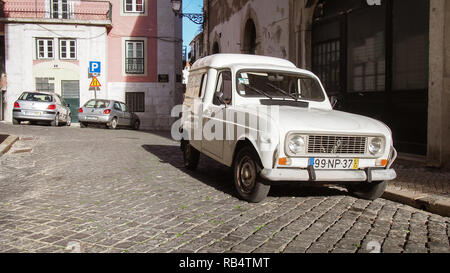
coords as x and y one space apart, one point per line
375 145
297 144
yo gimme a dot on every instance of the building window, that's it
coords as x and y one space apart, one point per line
67 49
366 50
134 58
44 85
135 101
44 48
134 6
60 9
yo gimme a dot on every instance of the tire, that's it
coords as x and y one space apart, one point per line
55 122
113 124
69 120
191 156
370 191
15 121
136 125
249 185
83 125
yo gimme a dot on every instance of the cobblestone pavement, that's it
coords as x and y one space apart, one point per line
126 191
416 177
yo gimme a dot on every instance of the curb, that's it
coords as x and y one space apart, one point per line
6 145
427 202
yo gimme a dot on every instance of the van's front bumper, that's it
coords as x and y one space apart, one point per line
304 175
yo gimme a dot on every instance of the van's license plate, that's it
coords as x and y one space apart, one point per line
334 164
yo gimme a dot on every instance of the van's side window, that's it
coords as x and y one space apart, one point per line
203 86
224 85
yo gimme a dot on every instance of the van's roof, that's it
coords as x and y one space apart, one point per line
228 60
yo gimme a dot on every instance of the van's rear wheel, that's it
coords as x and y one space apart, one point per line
16 122
191 156
249 185
369 191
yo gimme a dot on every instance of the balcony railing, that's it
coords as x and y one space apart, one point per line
134 65
56 9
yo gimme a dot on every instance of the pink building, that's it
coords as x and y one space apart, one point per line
49 44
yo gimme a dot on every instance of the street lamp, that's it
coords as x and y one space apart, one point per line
197 18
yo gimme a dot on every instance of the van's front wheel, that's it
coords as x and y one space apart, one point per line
247 180
370 191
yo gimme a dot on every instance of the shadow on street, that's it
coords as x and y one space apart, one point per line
220 177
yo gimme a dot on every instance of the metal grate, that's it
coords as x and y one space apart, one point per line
353 145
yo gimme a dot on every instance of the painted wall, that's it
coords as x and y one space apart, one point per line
22 66
271 19
162 30
129 25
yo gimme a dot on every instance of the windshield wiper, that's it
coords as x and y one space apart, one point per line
259 91
282 91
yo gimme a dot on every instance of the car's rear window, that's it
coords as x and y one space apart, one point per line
36 97
97 104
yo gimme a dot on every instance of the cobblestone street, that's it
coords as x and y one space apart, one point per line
126 191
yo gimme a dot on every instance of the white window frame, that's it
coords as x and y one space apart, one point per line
46 42
125 41
60 14
133 6
68 49
133 12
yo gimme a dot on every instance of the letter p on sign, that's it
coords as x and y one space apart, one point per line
95 67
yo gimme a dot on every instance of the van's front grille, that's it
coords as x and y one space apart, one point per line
354 145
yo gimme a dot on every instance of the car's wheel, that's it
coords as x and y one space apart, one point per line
55 122
136 125
69 120
15 121
369 191
191 156
113 124
83 125
249 185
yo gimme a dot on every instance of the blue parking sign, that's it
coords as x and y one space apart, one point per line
94 67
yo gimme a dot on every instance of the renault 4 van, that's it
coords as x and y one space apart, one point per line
272 122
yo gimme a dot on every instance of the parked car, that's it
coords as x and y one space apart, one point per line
42 106
108 112
272 122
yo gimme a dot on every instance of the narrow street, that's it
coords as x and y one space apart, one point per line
126 191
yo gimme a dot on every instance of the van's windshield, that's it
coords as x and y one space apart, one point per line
278 85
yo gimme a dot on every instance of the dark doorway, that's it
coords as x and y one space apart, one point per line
215 49
2 77
71 94
375 58
249 37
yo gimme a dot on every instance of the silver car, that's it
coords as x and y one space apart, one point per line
41 106
108 112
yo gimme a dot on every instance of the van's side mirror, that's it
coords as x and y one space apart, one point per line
333 100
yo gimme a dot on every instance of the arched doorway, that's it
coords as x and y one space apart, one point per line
249 38
376 59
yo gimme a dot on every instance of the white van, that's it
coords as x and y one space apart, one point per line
273 122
